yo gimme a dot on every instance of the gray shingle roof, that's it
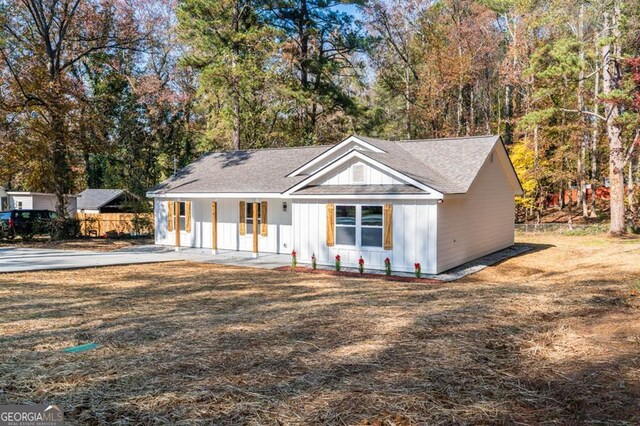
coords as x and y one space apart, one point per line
457 160
94 199
260 170
446 165
358 190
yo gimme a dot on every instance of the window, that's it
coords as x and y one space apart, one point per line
249 218
371 226
359 226
346 225
19 205
182 215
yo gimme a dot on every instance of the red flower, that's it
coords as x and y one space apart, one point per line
337 258
387 261
361 261
416 265
293 253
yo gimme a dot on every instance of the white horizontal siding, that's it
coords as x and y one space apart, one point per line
42 202
414 236
26 200
478 223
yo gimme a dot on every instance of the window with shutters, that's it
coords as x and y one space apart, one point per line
182 215
249 217
359 226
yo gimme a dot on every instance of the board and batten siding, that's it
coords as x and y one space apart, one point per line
371 176
480 222
414 236
278 239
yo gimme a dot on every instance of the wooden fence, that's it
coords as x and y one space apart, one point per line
99 224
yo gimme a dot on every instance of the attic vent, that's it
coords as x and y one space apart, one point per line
357 173
491 159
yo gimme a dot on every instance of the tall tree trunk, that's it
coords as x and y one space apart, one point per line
62 179
407 96
631 190
234 78
61 169
303 36
610 82
582 158
460 97
508 113
471 125
595 135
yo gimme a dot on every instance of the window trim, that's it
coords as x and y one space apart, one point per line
358 225
381 226
249 225
337 225
182 225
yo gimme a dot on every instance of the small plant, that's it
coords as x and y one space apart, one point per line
417 269
314 261
338 262
361 265
387 266
294 259
635 288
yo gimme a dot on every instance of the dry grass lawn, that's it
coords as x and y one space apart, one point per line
552 336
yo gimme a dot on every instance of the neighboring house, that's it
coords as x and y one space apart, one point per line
24 200
106 201
440 202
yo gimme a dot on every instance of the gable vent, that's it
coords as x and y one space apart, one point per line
357 172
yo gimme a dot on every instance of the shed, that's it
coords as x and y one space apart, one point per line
106 201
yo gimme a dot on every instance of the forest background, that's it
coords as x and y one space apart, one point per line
120 93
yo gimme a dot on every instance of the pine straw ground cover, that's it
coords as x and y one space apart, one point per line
550 336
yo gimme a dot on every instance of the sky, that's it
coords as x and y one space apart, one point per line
350 9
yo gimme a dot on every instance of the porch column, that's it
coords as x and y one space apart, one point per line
176 217
255 229
214 227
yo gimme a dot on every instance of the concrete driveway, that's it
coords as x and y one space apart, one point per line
14 259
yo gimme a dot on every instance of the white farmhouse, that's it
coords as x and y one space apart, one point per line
439 202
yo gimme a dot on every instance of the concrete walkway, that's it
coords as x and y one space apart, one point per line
223 257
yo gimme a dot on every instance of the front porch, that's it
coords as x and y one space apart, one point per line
222 257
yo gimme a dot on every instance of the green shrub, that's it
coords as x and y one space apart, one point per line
63 228
142 224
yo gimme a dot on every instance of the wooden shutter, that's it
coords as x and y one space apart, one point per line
214 225
243 222
263 212
170 215
331 224
187 216
388 226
